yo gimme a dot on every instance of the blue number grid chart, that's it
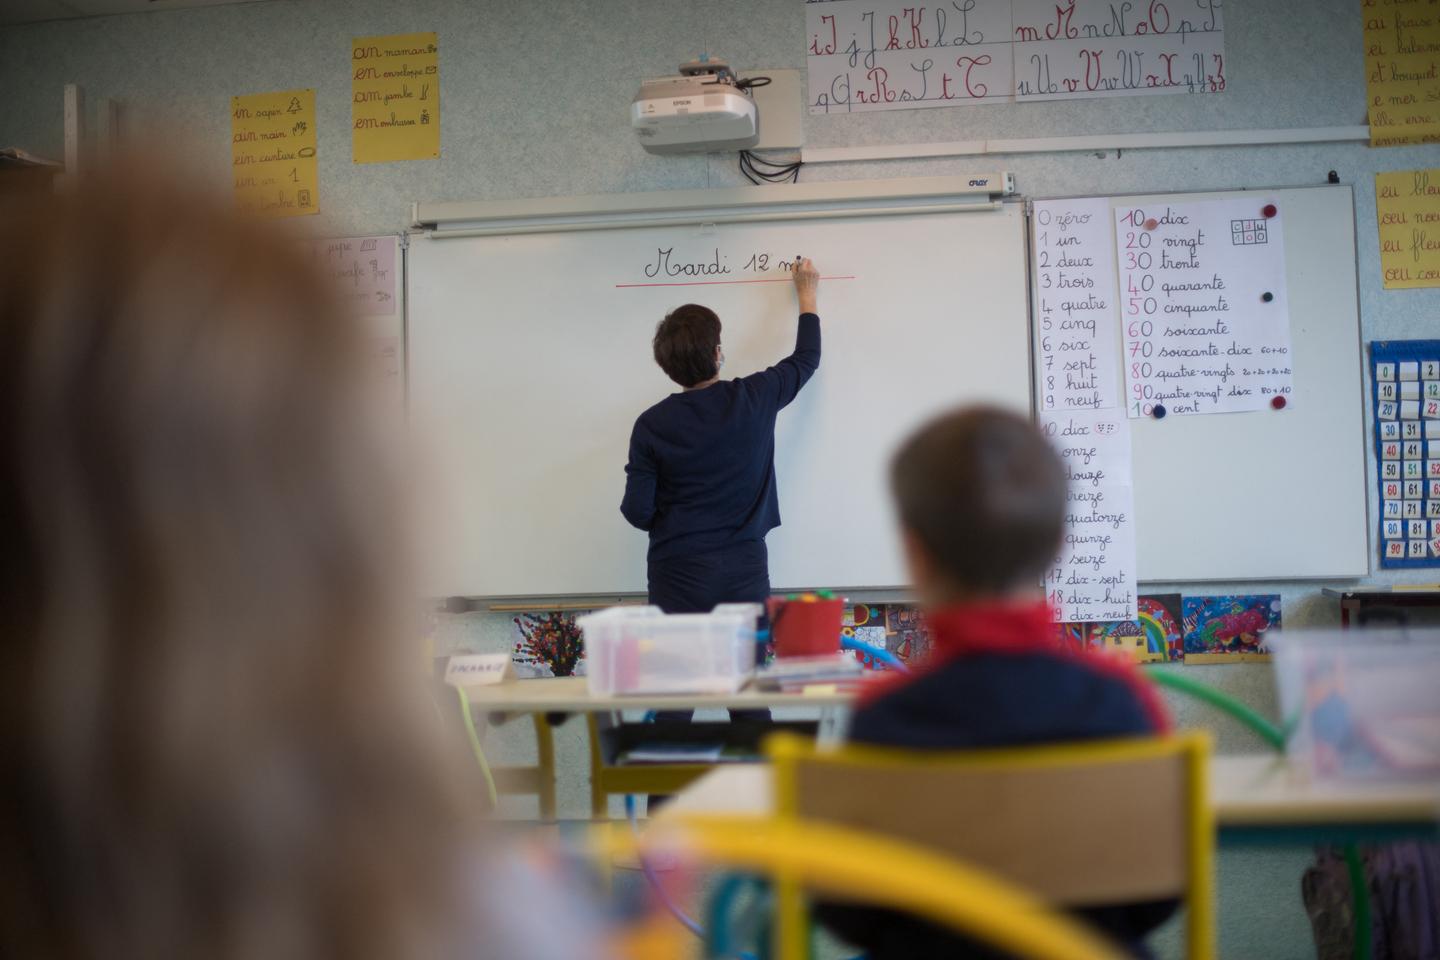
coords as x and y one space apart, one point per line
1405 398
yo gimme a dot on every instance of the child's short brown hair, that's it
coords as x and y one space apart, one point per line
984 492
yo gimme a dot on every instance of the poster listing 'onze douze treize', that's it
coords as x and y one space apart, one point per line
895 54
1205 315
1093 577
272 153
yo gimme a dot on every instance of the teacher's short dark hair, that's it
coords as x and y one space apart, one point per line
685 343
984 492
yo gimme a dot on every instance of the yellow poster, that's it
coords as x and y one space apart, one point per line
395 97
1402 71
272 138
1407 204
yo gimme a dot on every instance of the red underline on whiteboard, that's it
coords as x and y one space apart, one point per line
711 283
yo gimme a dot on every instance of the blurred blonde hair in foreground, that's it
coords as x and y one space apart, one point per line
210 744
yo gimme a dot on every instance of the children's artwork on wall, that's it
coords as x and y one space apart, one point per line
906 634
550 644
1162 615
872 634
1229 628
1156 635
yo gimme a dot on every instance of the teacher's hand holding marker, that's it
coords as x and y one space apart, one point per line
807 283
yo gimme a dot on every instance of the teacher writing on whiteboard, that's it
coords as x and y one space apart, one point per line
701 474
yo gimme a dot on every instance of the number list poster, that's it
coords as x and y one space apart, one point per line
395 98
272 152
1093 576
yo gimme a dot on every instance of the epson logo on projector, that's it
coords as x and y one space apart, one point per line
984 181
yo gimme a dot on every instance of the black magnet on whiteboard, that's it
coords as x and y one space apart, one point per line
1278 403
1269 211
1158 411
1333 178
1267 296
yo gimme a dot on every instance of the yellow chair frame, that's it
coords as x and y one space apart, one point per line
1191 749
839 862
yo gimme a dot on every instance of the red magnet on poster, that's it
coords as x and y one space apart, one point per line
1151 224
1269 211
1278 403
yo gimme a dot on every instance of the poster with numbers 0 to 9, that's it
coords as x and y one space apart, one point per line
1405 380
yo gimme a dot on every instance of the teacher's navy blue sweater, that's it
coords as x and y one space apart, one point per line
701 475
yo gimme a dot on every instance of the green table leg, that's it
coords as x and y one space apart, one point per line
1360 895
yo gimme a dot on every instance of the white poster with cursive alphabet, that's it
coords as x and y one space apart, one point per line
894 55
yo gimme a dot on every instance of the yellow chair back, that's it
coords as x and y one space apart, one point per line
848 864
1081 824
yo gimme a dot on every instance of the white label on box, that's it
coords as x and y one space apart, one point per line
1411 431
1390 470
1390 490
1432 389
1390 451
1432 508
479 669
1384 371
1389 430
1410 390
1414 469
1412 449
1409 370
1411 508
1409 409
1414 489
1429 369
1417 530
1418 549
1387 391
1395 548
1387 410
1394 529
1392 508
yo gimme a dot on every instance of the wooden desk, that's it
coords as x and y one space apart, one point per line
609 738
1360 601
1257 799
570 695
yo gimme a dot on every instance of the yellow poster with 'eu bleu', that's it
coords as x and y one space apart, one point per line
272 153
395 97
1407 204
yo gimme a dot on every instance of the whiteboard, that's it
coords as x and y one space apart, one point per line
529 360
1269 494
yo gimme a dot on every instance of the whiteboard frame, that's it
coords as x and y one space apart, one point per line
833 200
1355 567
755 204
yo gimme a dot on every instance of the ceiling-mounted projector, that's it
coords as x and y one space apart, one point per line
706 108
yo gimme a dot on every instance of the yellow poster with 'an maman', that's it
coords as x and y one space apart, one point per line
1407 204
395 97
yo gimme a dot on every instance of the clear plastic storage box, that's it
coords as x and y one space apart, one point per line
1361 704
641 650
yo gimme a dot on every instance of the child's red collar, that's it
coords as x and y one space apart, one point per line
1010 628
